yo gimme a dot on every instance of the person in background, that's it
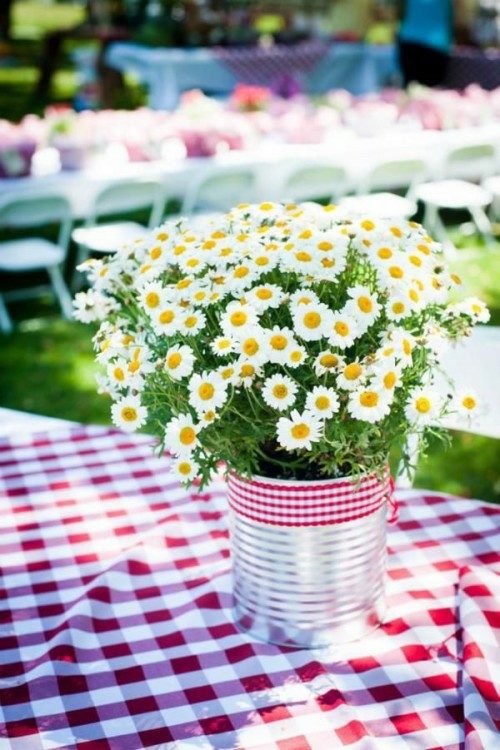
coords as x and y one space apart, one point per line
426 37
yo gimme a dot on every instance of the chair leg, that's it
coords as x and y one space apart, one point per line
5 319
61 291
78 278
435 226
483 224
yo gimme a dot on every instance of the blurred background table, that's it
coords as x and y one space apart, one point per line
317 67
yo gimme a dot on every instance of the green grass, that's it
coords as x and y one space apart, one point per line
31 19
49 369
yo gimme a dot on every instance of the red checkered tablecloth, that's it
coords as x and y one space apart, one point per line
116 629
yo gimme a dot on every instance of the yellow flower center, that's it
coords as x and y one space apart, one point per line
396 272
406 347
398 308
329 360
385 253
218 234
413 295
312 320
266 206
152 299
167 316
369 399
240 272
322 402
183 283
306 234
264 293
469 402
262 260
368 225
341 328
251 346
301 431
129 414
134 366
304 300
424 249
278 342
174 360
238 318
179 250
416 260
422 404
296 355
118 373
191 321
303 257
200 296
206 391
328 262
187 435
280 390
209 245
476 308
247 371
192 262
353 371
456 278
227 373
184 468
396 231
162 236
390 380
365 304
325 246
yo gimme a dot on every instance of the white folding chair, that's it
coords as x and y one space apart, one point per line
474 162
473 363
314 180
219 189
492 185
119 198
35 253
373 196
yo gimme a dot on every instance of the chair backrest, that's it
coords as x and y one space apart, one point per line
471 364
396 173
35 211
316 181
474 162
219 190
129 195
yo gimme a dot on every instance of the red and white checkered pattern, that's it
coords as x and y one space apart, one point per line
307 503
116 630
479 599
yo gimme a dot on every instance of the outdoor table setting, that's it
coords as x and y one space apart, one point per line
117 630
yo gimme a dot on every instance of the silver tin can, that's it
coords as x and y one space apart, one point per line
308 585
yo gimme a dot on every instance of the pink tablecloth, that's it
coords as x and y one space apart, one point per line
116 630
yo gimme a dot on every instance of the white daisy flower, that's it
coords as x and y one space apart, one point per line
207 391
179 361
344 330
364 305
327 361
368 405
351 376
166 320
303 297
265 296
279 392
128 414
237 318
312 322
223 345
467 404
246 372
192 322
403 344
253 346
151 296
386 375
299 430
295 356
323 402
279 341
185 469
181 435
424 406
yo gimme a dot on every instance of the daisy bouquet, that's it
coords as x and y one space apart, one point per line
293 341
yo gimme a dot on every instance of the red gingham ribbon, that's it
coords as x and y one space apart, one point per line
289 503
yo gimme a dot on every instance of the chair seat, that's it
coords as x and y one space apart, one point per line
381 205
453 194
492 185
29 254
105 238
